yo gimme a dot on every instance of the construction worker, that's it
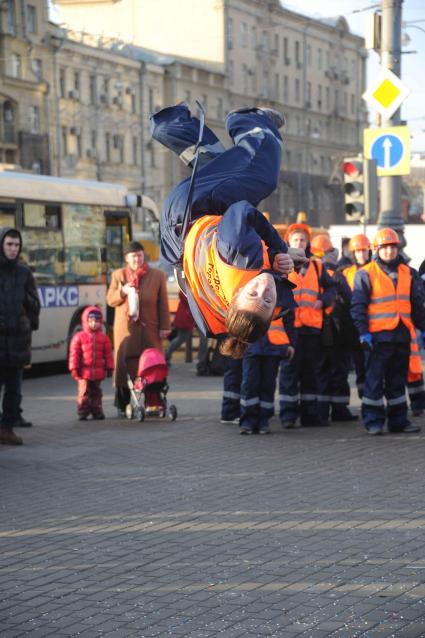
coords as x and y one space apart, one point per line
314 292
388 302
332 380
260 366
361 251
232 256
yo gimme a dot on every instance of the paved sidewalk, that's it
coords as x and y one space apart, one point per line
123 529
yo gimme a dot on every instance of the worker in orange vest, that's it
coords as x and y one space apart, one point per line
388 302
332 381
233 259
314 292
361 251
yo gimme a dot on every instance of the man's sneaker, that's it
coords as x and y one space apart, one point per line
374 430
235 421
245 431
411 428
8 437
264 430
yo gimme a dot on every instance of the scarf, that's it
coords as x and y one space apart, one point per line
133 278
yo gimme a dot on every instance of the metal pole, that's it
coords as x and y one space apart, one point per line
390 209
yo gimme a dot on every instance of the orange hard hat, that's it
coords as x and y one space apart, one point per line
320 245
359 242
385 236
298 228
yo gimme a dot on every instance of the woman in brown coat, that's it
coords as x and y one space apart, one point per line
145 329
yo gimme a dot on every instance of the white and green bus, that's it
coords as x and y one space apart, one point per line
73 233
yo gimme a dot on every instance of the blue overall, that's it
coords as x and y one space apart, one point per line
247 173
259 373
230 404
386 366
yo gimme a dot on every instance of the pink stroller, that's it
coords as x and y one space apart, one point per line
148 391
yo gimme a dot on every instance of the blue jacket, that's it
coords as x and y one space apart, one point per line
361 298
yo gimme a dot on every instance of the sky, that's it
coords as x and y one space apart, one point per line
412 64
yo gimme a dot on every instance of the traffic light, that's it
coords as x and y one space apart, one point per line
360 189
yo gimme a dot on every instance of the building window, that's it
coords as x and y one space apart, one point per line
328 98
11 17
34 119
93 89
133 103
265 84
79 144
219 108
64 137
308 55
319 59
16 65
297 90
254 37
276 44
76 81
108 146
230 33
231 71
277 86
308 95
286 58
285 88
353 104
265 41
62 82
297 54
135 150
244 34
104 97
37 68
244 78
319 97
31 18
93 141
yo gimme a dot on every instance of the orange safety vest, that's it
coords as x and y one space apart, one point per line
350 273
277 334
212 282
306 293
389 305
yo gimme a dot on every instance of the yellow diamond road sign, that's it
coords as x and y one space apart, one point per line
386 93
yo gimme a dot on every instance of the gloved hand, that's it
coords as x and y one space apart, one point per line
75 375
109 372
366 341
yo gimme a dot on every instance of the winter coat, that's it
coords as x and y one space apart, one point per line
131 338
90 351
183 319
19 309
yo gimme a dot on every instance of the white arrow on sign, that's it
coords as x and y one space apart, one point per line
387 144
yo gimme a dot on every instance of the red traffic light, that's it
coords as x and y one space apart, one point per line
352 168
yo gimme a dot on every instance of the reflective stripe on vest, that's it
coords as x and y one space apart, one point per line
306 294
350 273
213 283
387 304
277 334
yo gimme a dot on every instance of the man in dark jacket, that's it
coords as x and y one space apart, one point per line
19 312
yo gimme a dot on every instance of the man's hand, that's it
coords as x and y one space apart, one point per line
283 264
298 257
163 334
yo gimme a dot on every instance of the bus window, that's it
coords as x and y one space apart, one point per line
41 216
7 215
84 236
42 250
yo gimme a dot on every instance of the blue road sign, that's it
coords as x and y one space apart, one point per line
387 150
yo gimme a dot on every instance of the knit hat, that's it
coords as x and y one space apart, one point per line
133 247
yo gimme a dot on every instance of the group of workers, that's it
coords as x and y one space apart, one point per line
283 304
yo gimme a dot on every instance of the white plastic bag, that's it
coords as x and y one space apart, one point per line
133 304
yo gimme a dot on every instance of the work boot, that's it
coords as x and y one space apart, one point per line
98 416
375 430
289 424
343 415
411 428
22 423
8 437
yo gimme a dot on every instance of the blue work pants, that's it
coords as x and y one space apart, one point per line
232 380
257 392
333 390
386 374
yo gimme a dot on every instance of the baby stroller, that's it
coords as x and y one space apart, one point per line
148 391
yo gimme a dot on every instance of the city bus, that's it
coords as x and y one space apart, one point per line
73 233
